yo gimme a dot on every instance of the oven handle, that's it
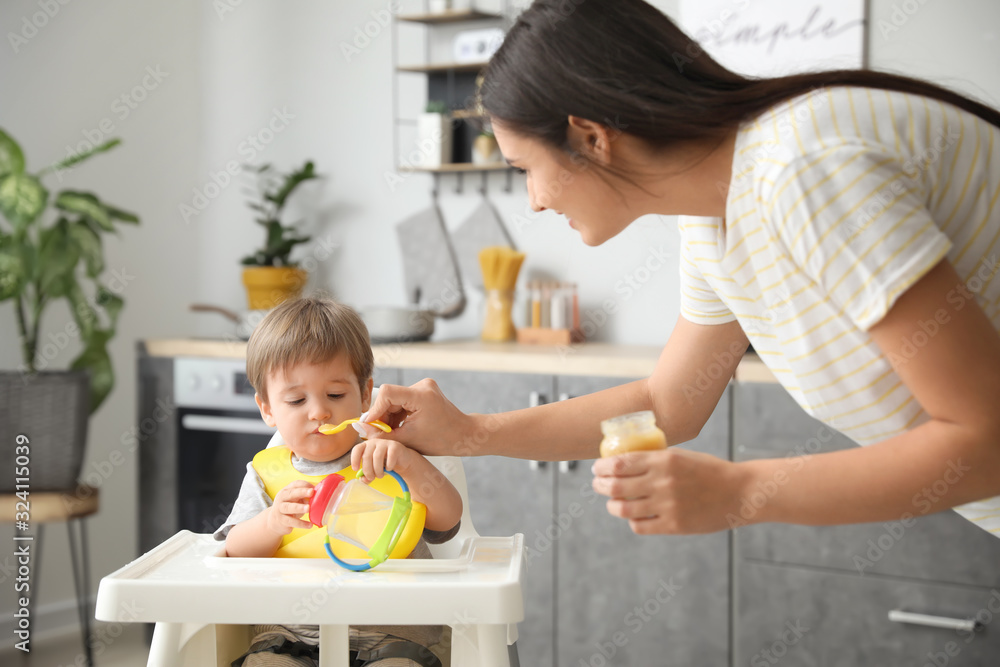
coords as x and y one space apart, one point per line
225 424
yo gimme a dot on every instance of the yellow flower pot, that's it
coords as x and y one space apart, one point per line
267 286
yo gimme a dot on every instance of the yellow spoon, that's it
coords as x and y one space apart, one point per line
330 429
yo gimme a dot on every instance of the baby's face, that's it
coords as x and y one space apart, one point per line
301 398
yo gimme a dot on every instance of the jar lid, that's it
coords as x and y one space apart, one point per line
321 498
629 422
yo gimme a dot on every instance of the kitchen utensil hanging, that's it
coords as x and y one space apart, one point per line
430 272
460 181
483 228
245 321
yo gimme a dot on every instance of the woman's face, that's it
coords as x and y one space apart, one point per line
569 186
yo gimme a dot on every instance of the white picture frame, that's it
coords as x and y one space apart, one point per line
768 38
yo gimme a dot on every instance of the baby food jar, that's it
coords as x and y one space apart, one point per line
634 432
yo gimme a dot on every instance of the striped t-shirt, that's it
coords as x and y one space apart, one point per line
840 200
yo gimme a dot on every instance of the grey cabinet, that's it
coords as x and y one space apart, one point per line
636 600
842 581
508 496
595 591
824 618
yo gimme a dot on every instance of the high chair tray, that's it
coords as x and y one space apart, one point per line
189 579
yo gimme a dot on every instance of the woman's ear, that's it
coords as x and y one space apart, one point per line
590 138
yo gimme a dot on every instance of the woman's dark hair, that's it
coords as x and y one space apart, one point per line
624 64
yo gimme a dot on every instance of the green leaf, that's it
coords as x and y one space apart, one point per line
89 245
112 304
11 157
85 204
12 269
292 181
22 199
57 259
83 314
95 360
119 214
80 157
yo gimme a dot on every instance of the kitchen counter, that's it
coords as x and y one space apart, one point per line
592 359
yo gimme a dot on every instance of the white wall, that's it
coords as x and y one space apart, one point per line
58 86
227 72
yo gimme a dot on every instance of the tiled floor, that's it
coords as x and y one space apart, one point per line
128 649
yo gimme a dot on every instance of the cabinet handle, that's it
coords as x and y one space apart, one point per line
966 624
534 400
566 466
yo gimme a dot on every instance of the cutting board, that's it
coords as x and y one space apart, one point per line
482 229
430 273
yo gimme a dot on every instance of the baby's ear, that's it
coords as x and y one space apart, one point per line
366 394
265 410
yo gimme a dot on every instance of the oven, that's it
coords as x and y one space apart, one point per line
219 429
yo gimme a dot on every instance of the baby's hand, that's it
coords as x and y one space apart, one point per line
289 504
377 456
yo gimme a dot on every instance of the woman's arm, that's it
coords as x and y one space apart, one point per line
955 377
690 376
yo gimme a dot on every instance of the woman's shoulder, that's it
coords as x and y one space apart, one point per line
817 125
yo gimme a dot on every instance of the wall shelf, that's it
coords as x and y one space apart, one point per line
442 67
450 16
466 113
453 83
458 167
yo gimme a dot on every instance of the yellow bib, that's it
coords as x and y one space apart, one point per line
274 466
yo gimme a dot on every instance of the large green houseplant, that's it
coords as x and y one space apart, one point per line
50 250
270 276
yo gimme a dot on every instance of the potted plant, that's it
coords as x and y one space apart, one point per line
434 135
41 262
269 275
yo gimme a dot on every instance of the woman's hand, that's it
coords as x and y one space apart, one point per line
420 416
377 456
674 491
289 505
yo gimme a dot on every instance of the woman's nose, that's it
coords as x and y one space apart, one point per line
536 205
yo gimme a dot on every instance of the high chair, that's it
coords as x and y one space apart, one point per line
204 604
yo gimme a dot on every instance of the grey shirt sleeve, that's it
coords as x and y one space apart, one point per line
251 501
441 536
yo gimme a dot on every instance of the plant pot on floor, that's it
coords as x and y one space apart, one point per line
51 409
268 286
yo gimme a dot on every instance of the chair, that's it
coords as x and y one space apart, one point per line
203 604
71 506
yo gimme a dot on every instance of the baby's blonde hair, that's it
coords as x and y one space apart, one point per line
311 330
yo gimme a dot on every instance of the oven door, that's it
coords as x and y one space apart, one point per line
215 447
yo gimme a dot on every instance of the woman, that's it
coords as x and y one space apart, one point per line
851 233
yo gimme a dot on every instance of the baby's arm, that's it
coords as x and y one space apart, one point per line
260 536
427 484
